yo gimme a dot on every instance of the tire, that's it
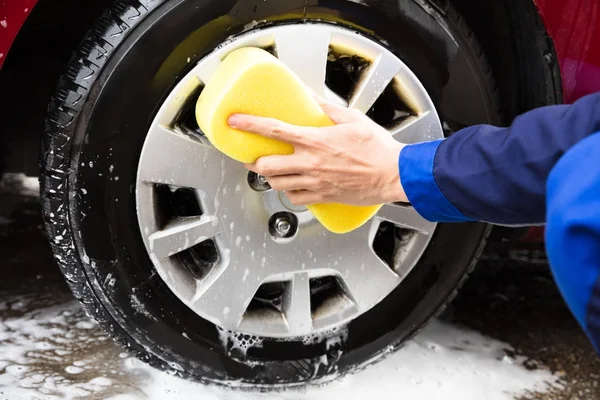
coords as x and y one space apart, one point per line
97 122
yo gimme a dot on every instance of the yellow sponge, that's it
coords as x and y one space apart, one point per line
252 81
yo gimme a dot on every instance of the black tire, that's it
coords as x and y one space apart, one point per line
98 119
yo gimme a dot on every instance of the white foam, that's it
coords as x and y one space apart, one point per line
20 183
53 353
443 362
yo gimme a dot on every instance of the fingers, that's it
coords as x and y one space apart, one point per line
304 197
270 127
277 165
337 113
286 183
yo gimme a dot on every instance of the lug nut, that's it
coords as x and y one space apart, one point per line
282 226
258 182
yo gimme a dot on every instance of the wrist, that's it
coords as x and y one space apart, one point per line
394 192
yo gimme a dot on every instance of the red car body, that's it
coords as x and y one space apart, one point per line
12 17
573 26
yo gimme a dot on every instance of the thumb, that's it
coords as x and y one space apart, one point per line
338 114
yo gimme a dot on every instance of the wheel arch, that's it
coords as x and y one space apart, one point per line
12 17
44 39
525 65
520 50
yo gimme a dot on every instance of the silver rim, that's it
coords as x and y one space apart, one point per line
243 257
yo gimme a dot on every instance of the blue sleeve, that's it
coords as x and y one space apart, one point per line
493 174
573 232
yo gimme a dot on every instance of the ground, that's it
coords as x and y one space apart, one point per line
508 335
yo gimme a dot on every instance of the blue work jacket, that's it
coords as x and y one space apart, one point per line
544 168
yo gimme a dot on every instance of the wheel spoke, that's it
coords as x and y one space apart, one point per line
371 282
305 52
296 305
226 293
333 97
405 217
183 234
423 128
206 69
175 102
376 79
172 158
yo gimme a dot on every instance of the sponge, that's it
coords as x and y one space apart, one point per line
252 81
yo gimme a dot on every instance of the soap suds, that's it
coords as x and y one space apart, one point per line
440 363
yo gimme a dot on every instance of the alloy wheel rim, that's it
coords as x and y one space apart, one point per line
241 255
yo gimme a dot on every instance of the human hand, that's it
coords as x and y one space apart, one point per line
352 162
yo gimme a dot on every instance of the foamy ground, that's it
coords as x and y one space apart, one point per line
54 352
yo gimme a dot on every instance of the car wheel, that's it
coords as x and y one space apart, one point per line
194 264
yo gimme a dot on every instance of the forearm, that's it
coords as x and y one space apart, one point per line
492 174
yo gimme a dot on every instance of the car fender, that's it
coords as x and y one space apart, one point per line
13 14
574 27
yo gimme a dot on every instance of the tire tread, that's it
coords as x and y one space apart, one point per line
55 158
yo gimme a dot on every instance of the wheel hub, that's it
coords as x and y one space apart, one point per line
244 237
287 203
282 226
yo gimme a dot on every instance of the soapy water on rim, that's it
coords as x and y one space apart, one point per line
217 200
237 343
337 334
